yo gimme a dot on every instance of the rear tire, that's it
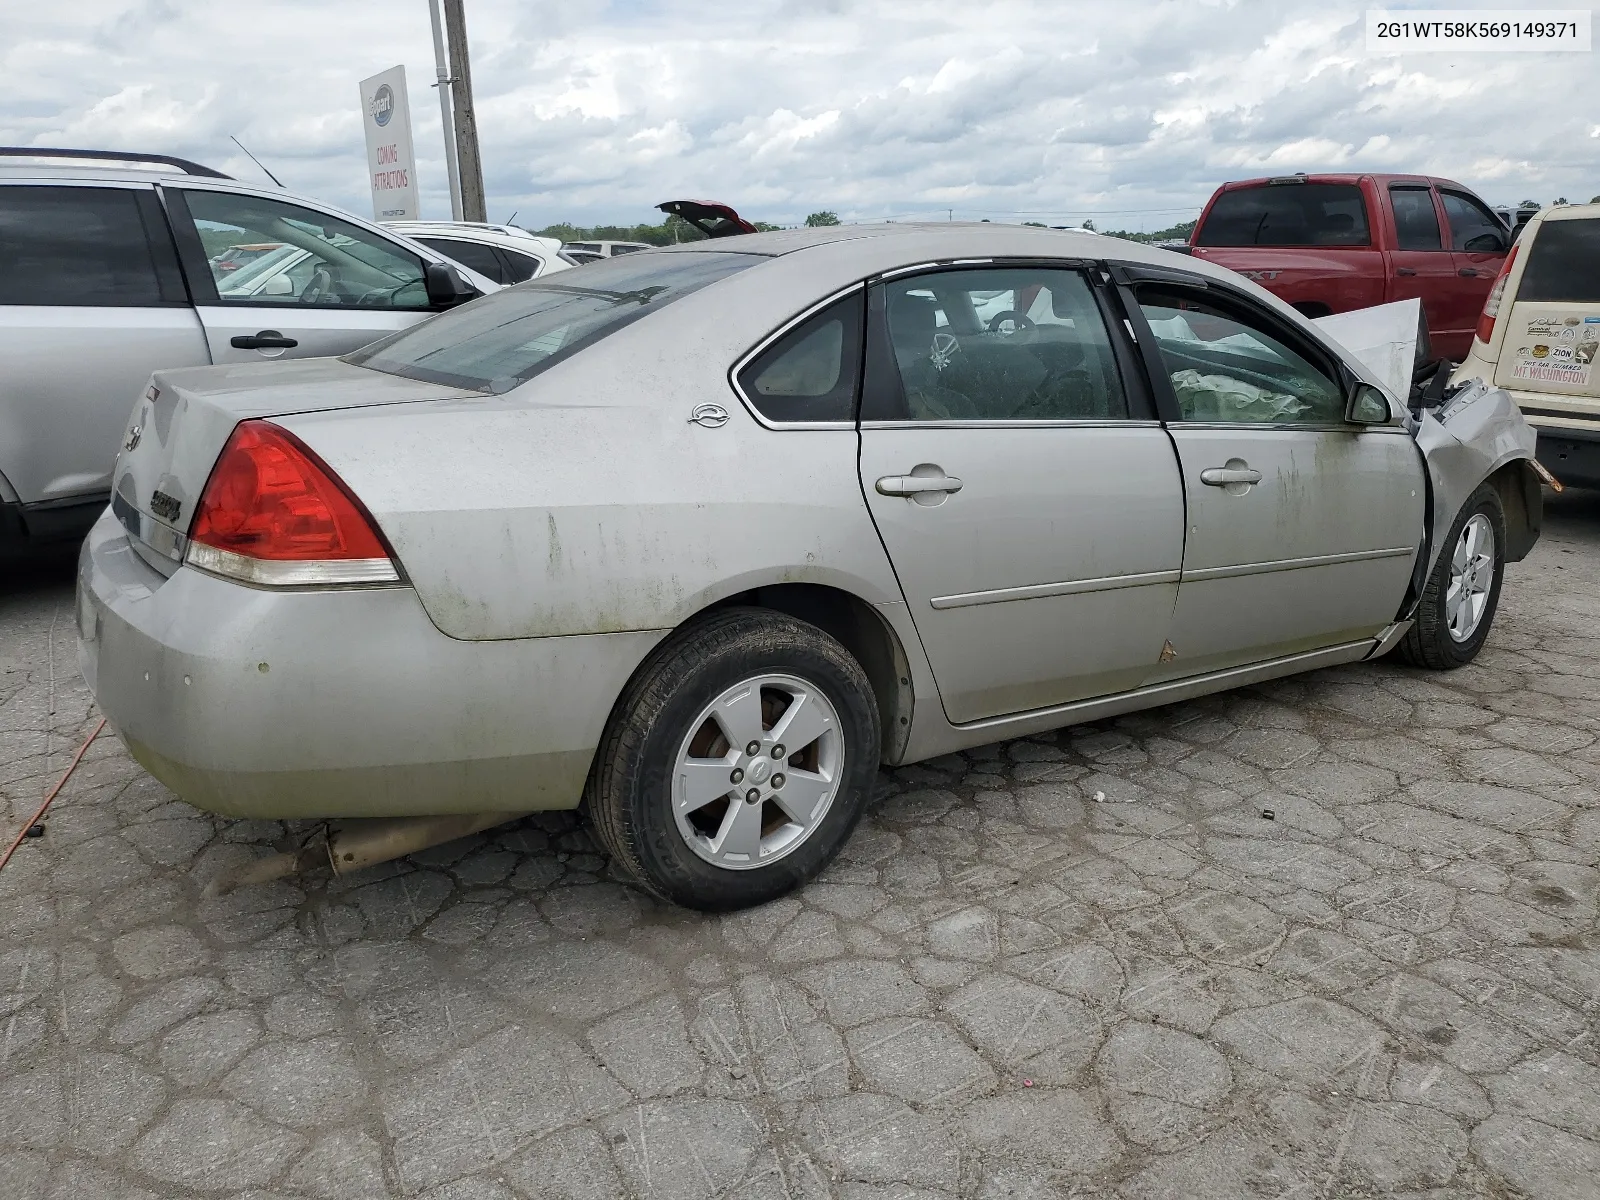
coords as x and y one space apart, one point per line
743 679
1463 592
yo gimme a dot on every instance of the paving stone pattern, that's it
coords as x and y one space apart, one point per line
1002 989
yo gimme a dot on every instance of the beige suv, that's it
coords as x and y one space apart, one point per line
1539 335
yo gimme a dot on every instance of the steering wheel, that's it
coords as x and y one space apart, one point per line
317 287
1019 323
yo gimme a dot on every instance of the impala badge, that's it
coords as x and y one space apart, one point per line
711 416
164 506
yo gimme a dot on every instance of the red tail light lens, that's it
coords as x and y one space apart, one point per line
273 513
1491 303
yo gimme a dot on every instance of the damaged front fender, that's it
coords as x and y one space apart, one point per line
1476 436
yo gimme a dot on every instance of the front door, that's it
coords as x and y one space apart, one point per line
1302 528
306 284
1035 522
1478 245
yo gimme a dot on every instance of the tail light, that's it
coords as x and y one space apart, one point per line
1491 303
274 514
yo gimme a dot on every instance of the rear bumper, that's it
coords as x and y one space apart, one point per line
1571 455
335 703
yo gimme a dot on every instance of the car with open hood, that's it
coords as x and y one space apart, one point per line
698 538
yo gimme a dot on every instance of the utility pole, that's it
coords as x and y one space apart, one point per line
469 164
441 70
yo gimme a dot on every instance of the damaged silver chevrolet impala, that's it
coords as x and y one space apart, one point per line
697 538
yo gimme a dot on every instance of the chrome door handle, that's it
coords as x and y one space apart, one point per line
916 485
1223 476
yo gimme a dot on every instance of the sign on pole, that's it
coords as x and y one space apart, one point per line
391 166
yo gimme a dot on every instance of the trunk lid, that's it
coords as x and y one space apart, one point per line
180 425
710 218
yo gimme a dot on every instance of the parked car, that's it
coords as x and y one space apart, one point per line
1539 336
700 537
1333 243
112 266
503 253
587 252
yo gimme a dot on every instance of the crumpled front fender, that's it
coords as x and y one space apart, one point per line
1466 441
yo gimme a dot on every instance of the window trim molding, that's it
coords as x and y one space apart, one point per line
762 346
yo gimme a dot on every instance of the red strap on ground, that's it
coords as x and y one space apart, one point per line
48 800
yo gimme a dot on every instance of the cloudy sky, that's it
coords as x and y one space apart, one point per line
1127 111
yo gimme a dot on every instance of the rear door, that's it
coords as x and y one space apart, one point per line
485 260
1301 528
331 286
1028 499
1421 266
91 302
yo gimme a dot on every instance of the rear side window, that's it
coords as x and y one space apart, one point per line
1416 224
481 259
1290 214
499 341
84 247
520 266
1564 264
811 372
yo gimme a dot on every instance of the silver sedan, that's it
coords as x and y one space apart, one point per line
698 538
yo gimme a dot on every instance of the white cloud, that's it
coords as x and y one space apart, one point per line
1131 110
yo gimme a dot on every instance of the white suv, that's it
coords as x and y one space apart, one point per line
115 265
503 253
1539 336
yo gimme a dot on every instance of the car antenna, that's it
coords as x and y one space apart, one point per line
512 218
255 160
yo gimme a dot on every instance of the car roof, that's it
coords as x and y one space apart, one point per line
1382 180
486 235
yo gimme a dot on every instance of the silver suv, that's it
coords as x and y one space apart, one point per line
115 265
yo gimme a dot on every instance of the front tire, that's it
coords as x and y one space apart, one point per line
1459 603
737 761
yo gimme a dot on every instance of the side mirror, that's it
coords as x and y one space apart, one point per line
1486 243
1367 406
279 285
445 286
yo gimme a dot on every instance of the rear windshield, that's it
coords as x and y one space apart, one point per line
503 339
1564 265
1289 214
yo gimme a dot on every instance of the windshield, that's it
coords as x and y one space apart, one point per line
499 341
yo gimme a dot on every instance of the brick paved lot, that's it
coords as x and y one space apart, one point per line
1002 990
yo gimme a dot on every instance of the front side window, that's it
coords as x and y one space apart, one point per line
1416 224
810 373
480 258
78 246
1225 367
1563 264
502 340
318 260
999 344
1473 227
1288 214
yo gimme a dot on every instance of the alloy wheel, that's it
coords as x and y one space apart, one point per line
1472 567
757 772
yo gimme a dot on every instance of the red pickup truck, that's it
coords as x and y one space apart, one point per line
1332 243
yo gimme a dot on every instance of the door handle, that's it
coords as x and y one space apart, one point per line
916 485
1405 270
1223 476
267 339
1466 273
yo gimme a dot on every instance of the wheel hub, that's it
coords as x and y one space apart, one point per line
757 772
1472 569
